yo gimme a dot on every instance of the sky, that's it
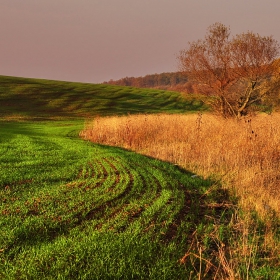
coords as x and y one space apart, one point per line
98 40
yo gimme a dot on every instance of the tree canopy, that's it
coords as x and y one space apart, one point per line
237 72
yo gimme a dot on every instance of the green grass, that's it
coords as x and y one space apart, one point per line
39 99
74 210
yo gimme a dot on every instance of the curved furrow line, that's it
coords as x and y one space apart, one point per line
125 207
115 194
168 209
90 173
146 199
68 204
137 195
122 187
100 174
104 192
66 207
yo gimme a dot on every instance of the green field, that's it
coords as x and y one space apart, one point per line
71 209
43 99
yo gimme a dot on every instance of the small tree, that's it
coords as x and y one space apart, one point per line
237 72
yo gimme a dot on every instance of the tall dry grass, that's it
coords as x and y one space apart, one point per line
244 154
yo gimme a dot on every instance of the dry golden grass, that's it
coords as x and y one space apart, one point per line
244 155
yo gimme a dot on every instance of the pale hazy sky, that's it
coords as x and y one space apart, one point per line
97 40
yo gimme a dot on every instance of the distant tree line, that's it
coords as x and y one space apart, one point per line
175 81
170 80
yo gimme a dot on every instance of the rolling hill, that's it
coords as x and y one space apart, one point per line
34 98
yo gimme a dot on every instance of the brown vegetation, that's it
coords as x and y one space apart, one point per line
239 72
170 81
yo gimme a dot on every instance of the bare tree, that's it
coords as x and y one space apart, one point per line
236 72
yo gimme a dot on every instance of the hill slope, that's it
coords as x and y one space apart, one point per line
33 98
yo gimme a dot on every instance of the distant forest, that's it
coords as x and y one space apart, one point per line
169 81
